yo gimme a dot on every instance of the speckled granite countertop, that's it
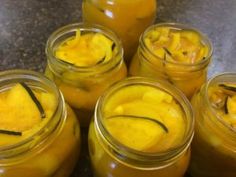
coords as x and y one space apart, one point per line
25 26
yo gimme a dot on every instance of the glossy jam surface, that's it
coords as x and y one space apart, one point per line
213 147
176 54
24 111
120 16
145 119
84 78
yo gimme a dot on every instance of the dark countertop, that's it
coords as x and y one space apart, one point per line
25 26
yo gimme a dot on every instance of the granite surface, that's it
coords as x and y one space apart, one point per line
25 26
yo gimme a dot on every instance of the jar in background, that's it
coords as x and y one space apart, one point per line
128 19
50 149
81 86
214 143
111 157
188 77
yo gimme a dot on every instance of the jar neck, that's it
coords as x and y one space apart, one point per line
128 156
211 119
58 67
147 55
14 152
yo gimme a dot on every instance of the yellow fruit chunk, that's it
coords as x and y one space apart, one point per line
48 101
157 96
19 112
124 96
231 105
191 36
86 49
175 41
144 118
182 46
135 132
223 99
23 111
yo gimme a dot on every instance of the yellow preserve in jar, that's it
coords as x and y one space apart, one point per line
39 134
127 18
142 127
174 52
83 61
214 144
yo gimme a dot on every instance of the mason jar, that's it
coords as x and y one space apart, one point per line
82 85
111 156
128 19
214 143
47 149
188 77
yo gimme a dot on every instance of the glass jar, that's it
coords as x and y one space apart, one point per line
109 157
214 143
53 149
188 77
120 16
81 86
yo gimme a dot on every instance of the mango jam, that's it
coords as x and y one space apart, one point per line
223 101
176 53
138 127
84 61
34 122
120 16
86 50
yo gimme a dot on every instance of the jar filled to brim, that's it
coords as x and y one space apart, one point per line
35 121
142 126
83 60
214 147
174 52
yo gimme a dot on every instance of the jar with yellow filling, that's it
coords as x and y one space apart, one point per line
83 61
141 127
127 18
39 134
174 52
214 143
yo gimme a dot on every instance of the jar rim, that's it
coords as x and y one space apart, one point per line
56 120
138 156
180 26
218 78
87 27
